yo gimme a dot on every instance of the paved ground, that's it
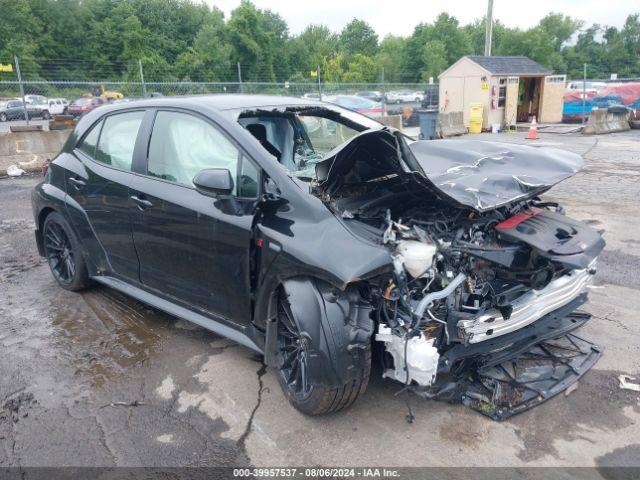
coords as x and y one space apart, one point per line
98 379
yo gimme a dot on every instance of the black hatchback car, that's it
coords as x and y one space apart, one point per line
316 237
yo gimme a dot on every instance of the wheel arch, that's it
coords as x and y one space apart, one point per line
338 322
42 216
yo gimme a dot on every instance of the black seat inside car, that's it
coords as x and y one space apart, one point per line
260 132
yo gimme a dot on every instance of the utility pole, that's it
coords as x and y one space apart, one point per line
144 86
584 92
24 104
384 104
489 29
239 77
319 84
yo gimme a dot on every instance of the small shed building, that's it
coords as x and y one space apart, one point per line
512 90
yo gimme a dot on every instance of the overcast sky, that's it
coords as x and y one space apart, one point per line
399 17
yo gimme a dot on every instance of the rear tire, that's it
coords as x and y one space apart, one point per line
63 253
302 393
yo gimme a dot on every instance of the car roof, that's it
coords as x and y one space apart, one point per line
226 104
227 101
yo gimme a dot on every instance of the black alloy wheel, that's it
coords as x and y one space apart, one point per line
59 252
293 350
62 251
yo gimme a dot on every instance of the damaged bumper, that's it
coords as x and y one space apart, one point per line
528 379
508 375
528 308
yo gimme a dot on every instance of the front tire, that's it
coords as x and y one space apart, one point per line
63 253
3 117
46 115
307 395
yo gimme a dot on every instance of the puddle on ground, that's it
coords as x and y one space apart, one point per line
104 332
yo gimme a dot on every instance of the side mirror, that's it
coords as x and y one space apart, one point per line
214 182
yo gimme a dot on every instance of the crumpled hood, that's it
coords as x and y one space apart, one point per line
485 175
476 174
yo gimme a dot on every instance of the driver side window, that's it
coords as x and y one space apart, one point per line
181 145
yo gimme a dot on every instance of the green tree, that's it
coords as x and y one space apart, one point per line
19 28
358 37
208 59
333 68
362 69
558 29
434 60
100 40
389 57
315 45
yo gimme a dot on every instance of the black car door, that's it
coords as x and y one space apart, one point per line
192 247
97 179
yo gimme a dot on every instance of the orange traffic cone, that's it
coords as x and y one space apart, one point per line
533 130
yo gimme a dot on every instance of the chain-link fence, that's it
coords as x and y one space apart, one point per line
68 79
70 90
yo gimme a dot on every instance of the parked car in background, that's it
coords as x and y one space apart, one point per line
418 96
32 98
83 105
40 105
357 104
58 106
402 96
311 96
14 110
371 95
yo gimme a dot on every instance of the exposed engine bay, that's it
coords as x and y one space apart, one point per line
461 276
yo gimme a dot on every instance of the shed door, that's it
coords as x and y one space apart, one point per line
552 98
511 101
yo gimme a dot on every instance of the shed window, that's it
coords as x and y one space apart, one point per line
555 79
502 92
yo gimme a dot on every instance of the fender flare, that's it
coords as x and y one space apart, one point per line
338 324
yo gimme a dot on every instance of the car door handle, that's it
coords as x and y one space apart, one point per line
77 183
142 203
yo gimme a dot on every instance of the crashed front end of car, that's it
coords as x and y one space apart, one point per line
486 278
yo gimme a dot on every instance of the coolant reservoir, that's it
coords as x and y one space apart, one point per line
417 256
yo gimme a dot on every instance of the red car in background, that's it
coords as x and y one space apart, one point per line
83 105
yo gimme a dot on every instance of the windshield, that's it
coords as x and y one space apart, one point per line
81 101
300 137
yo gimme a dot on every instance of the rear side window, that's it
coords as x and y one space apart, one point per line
118 138
88 145
182 145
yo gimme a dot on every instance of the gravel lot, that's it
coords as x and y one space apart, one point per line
99 379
